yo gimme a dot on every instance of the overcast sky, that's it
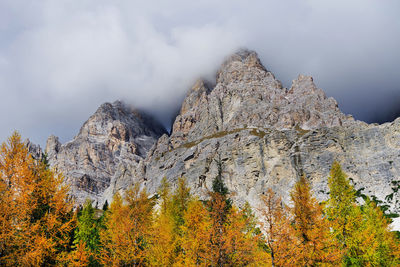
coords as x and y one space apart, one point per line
59 60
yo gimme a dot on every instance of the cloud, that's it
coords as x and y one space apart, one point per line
59 60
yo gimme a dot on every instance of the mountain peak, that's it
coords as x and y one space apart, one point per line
116 133
246 94
242 62
245 56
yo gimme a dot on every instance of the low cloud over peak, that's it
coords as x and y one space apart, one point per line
60 60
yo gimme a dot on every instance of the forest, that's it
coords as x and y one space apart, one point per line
40 225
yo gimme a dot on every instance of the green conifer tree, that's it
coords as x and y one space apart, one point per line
87 231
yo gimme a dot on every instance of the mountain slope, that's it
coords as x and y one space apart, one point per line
264 134
115 135
267 136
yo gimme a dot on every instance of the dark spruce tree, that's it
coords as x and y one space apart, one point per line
87 231
219 186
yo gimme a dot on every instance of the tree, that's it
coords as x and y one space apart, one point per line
278 234
79 257
313 244
355 230
219 206
241 241
162 249
87 232
219 187
195 238
232 241
379 246
341 208
36 215
180 201
105 205
125 239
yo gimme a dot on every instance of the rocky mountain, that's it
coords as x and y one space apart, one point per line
265 135
115 137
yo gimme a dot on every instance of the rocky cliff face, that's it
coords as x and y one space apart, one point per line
246 94
265 135
114 136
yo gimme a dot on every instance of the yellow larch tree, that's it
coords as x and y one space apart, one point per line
80 257
241 242
36 217
162 249
379 246
195 238
313 244
126 237
278 233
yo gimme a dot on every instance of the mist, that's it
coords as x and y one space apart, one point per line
59 60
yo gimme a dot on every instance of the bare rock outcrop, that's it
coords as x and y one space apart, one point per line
246 94
114 136
267 136
264 134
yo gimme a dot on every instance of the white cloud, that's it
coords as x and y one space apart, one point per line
59 60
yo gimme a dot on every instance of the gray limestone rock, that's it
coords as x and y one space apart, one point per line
265 135
114 137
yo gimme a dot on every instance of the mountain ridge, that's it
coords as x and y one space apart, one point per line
266 136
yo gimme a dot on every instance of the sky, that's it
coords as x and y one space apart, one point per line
59 60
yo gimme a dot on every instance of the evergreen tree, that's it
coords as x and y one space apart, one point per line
105 206
219 186
219 207
87 232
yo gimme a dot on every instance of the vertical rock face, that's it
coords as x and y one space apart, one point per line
35 150
246 94
264 134
113 136
267 136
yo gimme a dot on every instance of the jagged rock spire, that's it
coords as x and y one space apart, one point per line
246 94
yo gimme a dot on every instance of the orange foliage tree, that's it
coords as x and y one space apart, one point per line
195 238
278 233
36 217
313 244
126 238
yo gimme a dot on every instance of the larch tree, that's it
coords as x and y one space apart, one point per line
241 241
126 237
313 244
36 217
278 232
378 245
179 203
196 236
162 248
344 215
79 257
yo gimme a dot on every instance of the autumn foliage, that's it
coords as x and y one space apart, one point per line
35 212
40 227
